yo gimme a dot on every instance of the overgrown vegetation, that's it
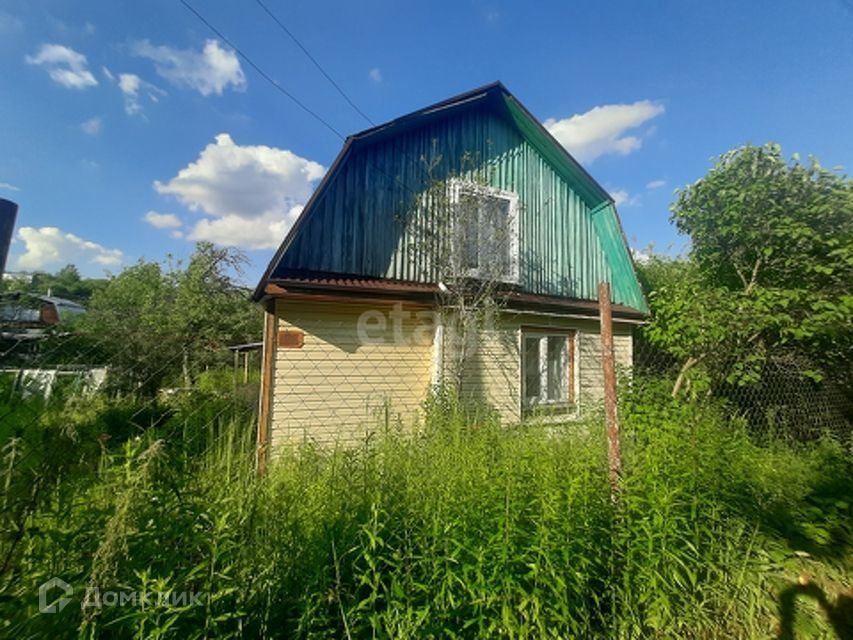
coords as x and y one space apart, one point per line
460 529
769 270
155 324
763 301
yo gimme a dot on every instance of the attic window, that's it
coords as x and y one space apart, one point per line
486 231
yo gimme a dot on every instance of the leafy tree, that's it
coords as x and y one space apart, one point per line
128 327
771 268
156 325
65 283
210 310
695 323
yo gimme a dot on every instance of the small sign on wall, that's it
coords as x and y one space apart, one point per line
290 339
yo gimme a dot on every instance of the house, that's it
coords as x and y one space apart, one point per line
356 303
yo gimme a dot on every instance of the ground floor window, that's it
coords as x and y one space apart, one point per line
547 369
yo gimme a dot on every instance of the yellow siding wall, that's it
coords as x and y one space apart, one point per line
492 371
336 388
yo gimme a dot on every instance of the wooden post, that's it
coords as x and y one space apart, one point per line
608 365
236 365
267 369
245 367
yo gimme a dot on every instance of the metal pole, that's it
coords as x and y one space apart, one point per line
608 365
8 213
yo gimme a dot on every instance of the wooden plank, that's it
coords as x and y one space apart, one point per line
267 373
344 297
291 339
608 365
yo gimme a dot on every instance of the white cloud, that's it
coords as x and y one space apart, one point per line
8 187
262 232
656 184
92 126
131 85
624 199
252 193
50 247
375 75
211 70
601 130
162 220
64 65
107 73
640 257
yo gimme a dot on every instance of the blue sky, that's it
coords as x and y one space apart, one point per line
129 130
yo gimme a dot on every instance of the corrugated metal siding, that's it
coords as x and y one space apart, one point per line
358 225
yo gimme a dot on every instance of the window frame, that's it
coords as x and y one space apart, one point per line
540 406
457 189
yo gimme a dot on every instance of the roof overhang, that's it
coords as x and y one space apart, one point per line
360 290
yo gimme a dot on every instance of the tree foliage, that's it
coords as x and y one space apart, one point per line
156 324
65 283
770 268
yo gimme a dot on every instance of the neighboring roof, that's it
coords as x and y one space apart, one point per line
69 305
64 303
497 97
244 348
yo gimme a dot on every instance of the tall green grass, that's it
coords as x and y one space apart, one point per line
459 528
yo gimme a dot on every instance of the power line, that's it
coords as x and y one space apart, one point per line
284 91
263 74
314 60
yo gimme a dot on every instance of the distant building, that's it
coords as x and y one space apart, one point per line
28 315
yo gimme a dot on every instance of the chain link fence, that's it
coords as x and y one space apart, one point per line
786 392
343 371
80 419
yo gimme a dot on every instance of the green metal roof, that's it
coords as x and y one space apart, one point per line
569 226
